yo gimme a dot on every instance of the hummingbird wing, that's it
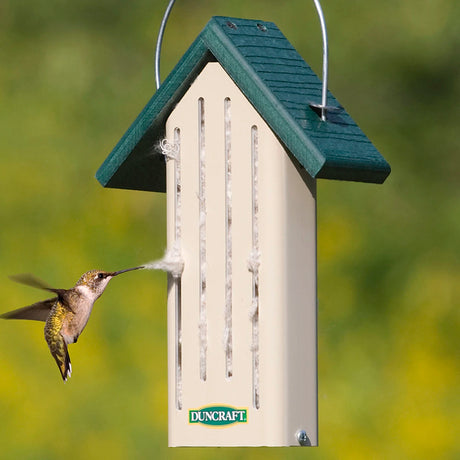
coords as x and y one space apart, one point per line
31 280
38 311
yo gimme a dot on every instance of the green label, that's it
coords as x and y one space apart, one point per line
218 415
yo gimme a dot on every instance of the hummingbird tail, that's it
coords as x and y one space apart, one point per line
61 355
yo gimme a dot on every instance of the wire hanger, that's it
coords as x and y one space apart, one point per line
323 107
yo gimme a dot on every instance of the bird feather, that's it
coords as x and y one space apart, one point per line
38 311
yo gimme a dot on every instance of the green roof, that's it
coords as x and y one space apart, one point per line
278 83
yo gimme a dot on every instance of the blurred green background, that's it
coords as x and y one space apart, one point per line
73 76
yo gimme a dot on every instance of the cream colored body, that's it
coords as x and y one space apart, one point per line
286 340
74 322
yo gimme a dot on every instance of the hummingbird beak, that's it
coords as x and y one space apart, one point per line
126 270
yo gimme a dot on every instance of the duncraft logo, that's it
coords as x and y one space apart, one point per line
218 416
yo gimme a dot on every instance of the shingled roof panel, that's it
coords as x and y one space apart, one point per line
277 82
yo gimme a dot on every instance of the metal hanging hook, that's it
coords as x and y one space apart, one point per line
323 106
160 40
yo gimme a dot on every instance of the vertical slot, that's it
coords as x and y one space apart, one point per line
177 280
228 345
202 236
254 267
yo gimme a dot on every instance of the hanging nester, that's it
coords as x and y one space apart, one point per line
237 135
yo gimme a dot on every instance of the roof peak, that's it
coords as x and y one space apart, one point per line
279 84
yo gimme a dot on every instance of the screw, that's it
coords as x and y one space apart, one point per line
261 27
302 437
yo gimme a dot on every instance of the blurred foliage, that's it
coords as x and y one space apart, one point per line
73 75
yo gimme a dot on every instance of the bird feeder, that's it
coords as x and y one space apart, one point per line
235 138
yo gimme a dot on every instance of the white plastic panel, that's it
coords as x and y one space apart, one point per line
272 349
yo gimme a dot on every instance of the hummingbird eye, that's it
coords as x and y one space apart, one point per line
100 275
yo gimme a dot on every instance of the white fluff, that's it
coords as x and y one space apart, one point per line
171 262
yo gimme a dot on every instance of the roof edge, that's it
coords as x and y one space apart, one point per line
136 163
255 89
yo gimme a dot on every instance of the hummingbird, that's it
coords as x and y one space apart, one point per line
66 314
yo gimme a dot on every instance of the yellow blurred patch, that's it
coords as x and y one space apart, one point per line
337 237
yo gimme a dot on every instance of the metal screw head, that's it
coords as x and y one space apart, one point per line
302 438
261 27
